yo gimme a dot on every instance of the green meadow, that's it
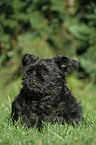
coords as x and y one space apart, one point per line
83 134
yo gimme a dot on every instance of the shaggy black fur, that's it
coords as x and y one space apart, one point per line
45 96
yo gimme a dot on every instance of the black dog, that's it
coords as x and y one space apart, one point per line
45 96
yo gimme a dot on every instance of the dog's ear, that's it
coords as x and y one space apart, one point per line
28 58
75 63
65 63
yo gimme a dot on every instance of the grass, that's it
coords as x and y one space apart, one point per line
84 134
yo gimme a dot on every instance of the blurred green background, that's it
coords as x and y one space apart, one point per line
46 28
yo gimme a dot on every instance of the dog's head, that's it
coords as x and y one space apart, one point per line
46 77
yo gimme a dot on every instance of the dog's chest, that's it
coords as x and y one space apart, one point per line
45 111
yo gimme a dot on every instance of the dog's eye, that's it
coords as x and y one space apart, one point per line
44 73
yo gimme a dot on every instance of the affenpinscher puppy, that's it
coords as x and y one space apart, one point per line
44 96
